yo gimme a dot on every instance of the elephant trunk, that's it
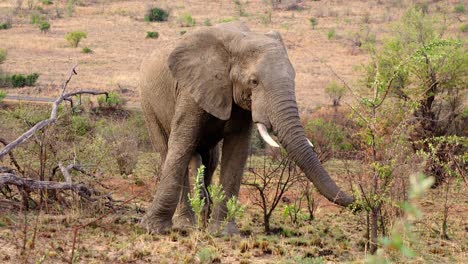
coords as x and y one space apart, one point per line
284 118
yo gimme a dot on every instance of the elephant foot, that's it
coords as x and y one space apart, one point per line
156 226
223 228
184 221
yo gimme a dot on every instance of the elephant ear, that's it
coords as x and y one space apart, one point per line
200 63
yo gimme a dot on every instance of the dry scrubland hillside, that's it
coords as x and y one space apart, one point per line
117 30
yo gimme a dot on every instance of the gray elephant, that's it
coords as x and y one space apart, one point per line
213 85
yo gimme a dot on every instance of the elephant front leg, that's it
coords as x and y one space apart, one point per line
234 156
181 147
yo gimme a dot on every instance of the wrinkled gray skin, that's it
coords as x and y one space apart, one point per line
213 85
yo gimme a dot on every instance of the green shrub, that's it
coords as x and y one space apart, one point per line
187 20
2 95
70 7
460 8
313 22
5 25
20 80
44 26
87 50
47 2
331 34
335 91
75 37
113 100
37 19
3 55
81 125
208 255
5 22
228 19
464 28
182 32
207 22
152 34
156 14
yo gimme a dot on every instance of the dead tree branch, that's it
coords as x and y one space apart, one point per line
12 179
53 115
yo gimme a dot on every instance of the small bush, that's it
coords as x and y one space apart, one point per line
152 34
208 255
156 15
87 50
20 80
3 55
464 28
187 20
313 22
70 7
5 23
331 34
81 125
460 8
229 19
207 22
114 100
335 92
75 37
44 26
37 19
47 2
182 32
2 95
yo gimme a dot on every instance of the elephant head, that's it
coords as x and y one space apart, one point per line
227 65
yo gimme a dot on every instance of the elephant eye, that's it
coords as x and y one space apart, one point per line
253 82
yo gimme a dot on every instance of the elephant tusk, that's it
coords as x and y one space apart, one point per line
265 136
310 143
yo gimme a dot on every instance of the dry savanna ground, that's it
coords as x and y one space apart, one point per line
116 33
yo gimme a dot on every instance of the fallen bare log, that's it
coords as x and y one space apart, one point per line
31 184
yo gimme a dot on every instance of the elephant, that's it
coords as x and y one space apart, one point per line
214 85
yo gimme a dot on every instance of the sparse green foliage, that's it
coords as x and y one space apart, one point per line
217 195
464 28
186 20
228 19
81 125
331 34
182 32
71 7
402 237
21 80
240 8
44 26
208 255
3 55
5 25
156 14
235 209
113 100
266 18
87 50
207 22
335 91
47 2
313 22
152 34
3 94
75 37
37 19
460 8
197 201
